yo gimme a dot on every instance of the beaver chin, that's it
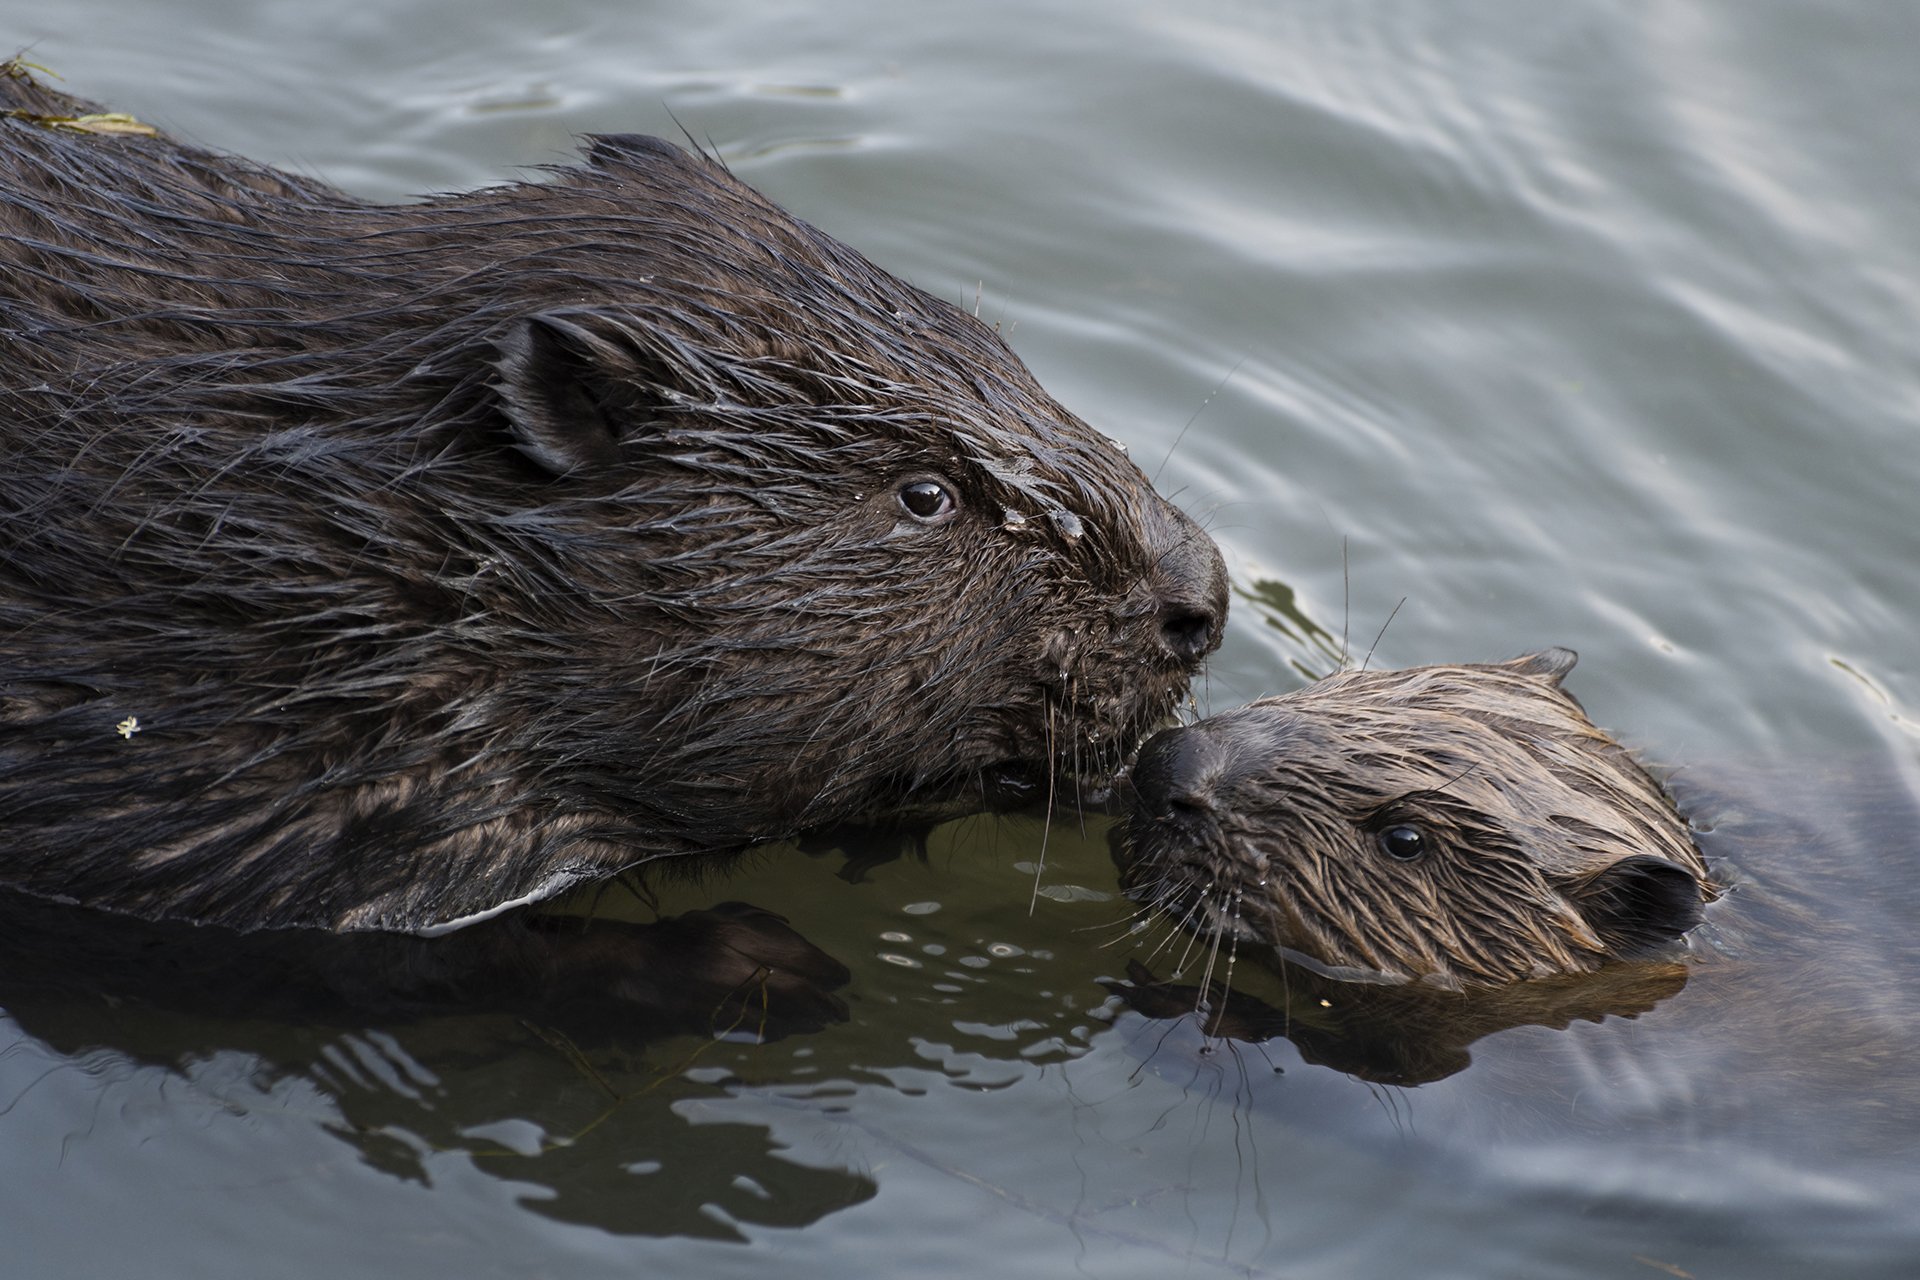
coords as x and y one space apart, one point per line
1456 826
1086 777
1081 763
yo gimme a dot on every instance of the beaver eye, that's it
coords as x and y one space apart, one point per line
1403 843
927 500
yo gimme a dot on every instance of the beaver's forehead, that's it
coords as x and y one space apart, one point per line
975 392
950 389
1481 689
1359 760
1431 732
1376 728
803 317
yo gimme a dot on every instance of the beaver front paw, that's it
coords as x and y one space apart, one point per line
733 968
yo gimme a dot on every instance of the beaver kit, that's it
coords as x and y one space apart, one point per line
378 567
1452 826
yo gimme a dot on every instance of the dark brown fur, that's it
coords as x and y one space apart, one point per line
370 567
1453 825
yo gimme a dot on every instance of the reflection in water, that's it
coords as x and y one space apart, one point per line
607 1147
1279 607
588 1107
1405 1034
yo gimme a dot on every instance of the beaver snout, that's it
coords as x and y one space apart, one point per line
1189 633
1205 768
1189 580
1179 772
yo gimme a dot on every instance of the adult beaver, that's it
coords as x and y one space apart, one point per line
376 567
1454 826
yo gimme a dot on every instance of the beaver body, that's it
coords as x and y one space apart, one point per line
375 567
1449 863
1771 1052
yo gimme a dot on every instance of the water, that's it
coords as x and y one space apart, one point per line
1588 324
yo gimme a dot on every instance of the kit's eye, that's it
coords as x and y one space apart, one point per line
928 501
1403 842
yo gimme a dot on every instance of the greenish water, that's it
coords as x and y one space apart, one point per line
1587 324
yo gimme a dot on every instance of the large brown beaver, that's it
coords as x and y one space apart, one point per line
1454 826
375 567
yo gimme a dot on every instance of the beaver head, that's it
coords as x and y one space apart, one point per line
1461 825
372 566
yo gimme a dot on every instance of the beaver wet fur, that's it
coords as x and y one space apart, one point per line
1459 826
373 567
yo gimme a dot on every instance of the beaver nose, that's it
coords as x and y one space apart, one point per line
1189 633
1178 772
1190 580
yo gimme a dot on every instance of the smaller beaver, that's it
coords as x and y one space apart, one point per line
1459 826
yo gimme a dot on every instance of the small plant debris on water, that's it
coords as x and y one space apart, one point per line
107 122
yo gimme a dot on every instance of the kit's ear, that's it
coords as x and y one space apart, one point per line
1550 665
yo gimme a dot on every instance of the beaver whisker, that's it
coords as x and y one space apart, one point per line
1180 931
1126 928
1169 933
1382 633
1232 939
1204 938
1046 821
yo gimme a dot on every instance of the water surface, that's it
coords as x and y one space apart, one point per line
1586 325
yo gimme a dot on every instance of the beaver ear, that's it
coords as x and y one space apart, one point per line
553 383
632 151
1550 665
1640 903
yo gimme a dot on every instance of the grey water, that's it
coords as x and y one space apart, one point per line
1588 324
